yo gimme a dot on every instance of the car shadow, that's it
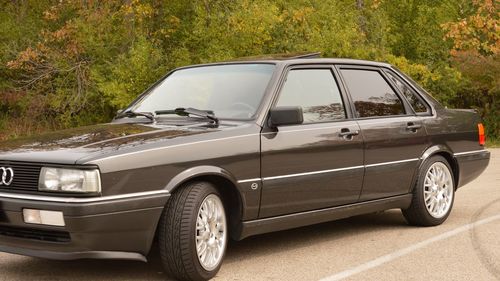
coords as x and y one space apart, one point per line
26 268
286 240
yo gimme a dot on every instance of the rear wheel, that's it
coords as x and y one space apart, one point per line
433 195
193 232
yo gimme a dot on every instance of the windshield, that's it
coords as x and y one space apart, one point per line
232 91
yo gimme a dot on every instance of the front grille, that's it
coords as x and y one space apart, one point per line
25 176
35 234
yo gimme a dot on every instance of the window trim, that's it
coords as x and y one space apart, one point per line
328 66
429 112
408 111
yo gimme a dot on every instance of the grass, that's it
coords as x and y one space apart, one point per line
495 143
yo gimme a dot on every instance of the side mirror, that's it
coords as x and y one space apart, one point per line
286 115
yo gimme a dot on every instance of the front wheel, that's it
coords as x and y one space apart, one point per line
193 232
433 195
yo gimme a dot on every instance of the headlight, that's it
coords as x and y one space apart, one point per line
69 180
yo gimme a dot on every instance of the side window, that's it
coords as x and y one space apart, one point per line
371 94
316 91
413 98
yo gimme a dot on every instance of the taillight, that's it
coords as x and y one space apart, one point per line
482 137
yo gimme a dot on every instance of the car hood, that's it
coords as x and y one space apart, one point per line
68 146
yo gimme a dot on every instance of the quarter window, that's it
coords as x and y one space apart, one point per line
413 98
371 94
316 91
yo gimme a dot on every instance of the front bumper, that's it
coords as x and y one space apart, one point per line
114 227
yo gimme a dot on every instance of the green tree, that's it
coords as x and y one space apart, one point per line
72 62
476 53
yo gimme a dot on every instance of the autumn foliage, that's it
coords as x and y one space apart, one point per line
67 63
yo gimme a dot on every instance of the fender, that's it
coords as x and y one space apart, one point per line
235 214
197 172
430 151
433 150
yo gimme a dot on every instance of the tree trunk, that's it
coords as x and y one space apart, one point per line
360 5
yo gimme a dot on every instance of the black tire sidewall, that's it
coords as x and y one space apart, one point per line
177 232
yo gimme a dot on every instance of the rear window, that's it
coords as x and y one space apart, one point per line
416 102
371 94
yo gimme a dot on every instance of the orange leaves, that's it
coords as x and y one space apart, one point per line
60 42
52 14
25 60
65 39
479 32
138 11
476 53
487 6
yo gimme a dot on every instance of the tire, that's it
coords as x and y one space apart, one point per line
186 226
433 195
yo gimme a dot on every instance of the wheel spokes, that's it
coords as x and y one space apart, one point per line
211 232
438 189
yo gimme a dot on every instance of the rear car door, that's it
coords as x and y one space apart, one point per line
316 164
394 136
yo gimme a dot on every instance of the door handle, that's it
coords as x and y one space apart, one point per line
348 134
413 126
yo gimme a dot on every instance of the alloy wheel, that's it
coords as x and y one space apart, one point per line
438 190
211 232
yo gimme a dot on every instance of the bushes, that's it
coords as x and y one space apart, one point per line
481 89
70 63
131 74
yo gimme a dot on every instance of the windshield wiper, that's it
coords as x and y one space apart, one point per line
209 114
131 113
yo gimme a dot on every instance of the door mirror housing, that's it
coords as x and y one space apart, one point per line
286 115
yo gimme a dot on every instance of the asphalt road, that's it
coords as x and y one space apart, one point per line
370 247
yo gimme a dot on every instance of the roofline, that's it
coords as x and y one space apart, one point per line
293 61
335 61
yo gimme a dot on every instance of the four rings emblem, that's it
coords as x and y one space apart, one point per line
6 176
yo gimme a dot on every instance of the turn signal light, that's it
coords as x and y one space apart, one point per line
43 217
482 137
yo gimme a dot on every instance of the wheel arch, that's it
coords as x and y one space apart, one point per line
224 182
446 153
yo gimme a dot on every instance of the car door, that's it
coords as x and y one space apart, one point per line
316 164
394 137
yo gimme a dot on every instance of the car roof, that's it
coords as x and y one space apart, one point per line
294 58
332 61
304 58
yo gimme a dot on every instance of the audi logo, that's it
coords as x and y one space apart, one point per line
6 176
